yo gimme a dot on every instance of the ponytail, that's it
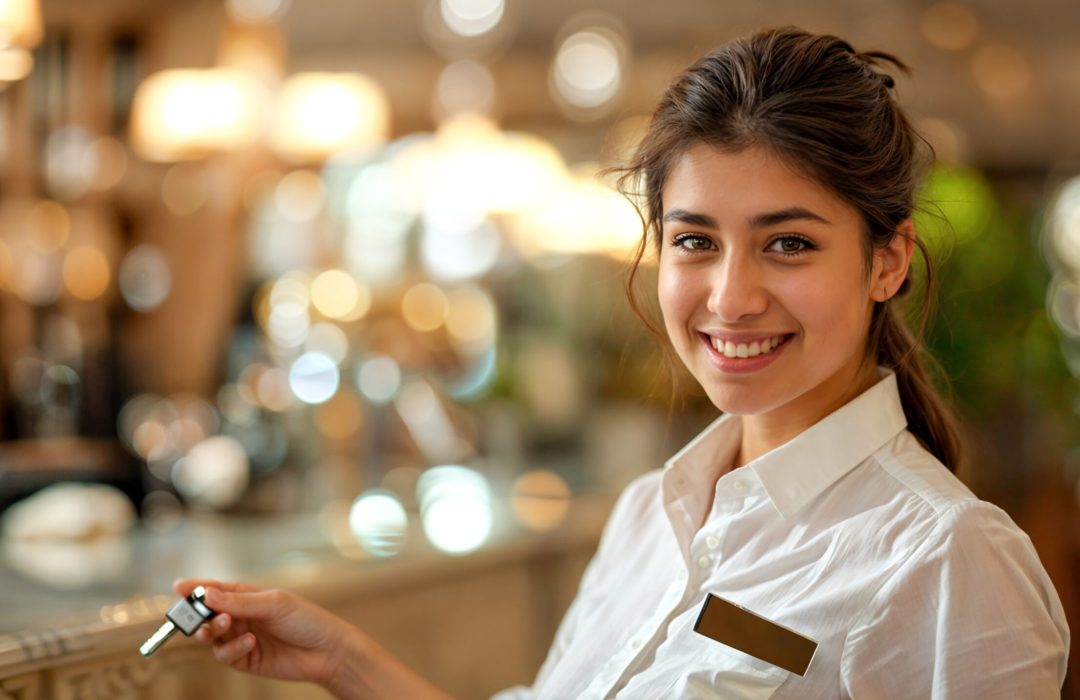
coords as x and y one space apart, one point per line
897 348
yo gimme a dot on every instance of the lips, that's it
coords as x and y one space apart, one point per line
749 347
734 364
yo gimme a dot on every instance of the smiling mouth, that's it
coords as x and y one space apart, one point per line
753 349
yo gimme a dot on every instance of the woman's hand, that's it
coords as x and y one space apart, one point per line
280 635
272 633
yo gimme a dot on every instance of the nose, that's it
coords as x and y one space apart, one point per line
737 289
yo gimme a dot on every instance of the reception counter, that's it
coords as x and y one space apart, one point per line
471 623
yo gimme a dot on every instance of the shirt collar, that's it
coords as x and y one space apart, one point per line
802 468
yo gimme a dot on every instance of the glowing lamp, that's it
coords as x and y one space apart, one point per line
191 113
20 24
320 114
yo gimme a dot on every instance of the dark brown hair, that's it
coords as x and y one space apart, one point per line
826 110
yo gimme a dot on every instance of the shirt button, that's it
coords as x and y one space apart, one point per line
738 485
711 542
635 643
703 561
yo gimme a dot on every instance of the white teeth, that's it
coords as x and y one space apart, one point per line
730 349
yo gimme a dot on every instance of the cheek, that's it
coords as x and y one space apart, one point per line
674 294
829 308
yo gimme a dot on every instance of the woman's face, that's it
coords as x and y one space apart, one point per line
762 283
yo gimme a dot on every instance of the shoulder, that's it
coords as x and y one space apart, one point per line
917 472
953 518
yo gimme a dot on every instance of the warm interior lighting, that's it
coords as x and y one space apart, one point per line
20 23
320 114
471 17
950 26
190 113
15 64
86 273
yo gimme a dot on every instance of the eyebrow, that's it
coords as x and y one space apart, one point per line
764 220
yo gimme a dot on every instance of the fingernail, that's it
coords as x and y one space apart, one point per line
249 641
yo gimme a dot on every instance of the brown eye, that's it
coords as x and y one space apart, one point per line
692 242
791 245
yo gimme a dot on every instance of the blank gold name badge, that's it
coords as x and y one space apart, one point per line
752 634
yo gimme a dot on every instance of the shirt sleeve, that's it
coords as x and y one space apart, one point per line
971 614
568 628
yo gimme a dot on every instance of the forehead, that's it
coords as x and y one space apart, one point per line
744 183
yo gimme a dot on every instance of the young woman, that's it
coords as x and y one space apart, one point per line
778 179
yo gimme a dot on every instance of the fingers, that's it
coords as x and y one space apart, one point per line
214 628
248 604
235 649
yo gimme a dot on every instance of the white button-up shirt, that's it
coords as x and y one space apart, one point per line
851 534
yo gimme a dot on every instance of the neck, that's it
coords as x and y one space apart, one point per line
765 432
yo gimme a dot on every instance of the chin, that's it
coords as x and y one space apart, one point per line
740 401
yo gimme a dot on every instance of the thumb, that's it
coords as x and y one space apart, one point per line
258 605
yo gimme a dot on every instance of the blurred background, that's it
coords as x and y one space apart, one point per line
338 286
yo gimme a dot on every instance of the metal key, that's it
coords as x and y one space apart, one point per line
185 615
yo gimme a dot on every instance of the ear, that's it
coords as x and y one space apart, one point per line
891 263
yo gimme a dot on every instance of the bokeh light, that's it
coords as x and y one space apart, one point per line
587 72
424 306
1003 72
314 377
15 64
379 522
144 277
380 212
540 500
256 11
36 277
1064 222
336 294
950 26
455 508
320 114
48 226
450 253
471 319
106 162
272 387
67 175
379 379
86 272
584 215
471 18
329 340
1063 303
190 113
300 196
184 189
214 473
464 86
